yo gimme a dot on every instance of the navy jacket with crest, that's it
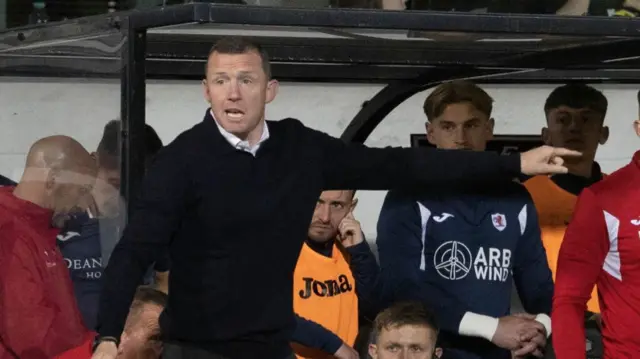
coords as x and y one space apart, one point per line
460 250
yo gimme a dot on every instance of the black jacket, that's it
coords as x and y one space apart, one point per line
234 225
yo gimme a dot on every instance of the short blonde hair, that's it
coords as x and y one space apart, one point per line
404 313
453 92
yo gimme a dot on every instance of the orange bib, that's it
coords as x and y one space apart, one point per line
324 291
555 207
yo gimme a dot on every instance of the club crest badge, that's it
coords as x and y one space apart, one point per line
499 221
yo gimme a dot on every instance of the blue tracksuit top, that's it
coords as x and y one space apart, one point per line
460 250
81 242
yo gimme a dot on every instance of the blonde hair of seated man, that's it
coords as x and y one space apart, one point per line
405 330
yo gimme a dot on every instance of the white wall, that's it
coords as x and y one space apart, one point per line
33 109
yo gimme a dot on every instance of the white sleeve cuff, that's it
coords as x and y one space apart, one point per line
478 325
545 321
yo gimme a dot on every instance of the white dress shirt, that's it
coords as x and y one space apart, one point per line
243 144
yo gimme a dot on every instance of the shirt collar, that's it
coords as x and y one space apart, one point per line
242 144
636 158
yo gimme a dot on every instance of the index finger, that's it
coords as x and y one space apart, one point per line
565 152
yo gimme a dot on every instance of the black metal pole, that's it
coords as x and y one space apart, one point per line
133 114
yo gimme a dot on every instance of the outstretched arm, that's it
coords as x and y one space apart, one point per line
355 166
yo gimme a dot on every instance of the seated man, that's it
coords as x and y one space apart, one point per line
335 272
459 249
38 314
405 330
141 336
89 237
575 118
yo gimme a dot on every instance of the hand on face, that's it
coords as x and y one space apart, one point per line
349 231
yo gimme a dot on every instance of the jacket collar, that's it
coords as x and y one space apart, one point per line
231 139
37 215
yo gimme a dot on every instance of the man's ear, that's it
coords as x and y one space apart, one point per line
373 351
438 353
52 178
604 135
124 338
272 90
490 128
205 91
430 129
546 137
637 127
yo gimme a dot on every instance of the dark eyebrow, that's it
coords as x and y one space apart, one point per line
332 202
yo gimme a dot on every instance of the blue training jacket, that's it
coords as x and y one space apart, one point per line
81 244
460 250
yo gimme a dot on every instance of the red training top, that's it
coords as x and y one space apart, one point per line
601 246
39 318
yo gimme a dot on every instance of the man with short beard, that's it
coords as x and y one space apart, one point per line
38 314
335 274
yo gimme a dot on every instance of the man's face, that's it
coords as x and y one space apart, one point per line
106 192
405 342
636 125
237 88
577 129
460 126
68 190
331 208
140 338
